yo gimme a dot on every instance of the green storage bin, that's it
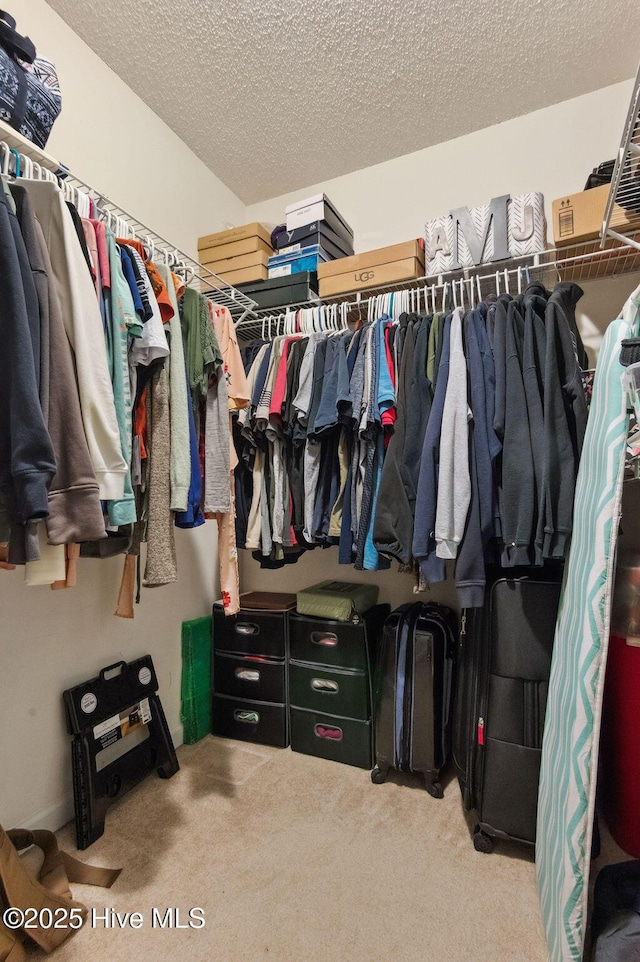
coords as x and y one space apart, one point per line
195 689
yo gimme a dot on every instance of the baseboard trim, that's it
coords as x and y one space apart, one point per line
57 815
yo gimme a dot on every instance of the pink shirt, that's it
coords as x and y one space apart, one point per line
279 387
103 254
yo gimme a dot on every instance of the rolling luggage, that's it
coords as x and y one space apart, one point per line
413 693
504 662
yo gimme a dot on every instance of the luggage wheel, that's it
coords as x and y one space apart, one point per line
482 842
379 775
434 788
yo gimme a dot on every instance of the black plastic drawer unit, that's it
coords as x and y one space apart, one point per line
250 632
328 642
336 691
330 736
251 721
249 676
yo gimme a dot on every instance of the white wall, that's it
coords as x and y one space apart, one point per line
52 640
552 150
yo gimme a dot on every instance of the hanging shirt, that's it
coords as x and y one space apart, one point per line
160 291
454 483
120 314
84 328
152 343
180 469
202 353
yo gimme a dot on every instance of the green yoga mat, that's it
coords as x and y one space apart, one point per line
196 679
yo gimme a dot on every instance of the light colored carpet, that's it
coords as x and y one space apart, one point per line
297 859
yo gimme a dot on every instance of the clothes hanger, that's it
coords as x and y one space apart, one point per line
519 280
16 162
506 281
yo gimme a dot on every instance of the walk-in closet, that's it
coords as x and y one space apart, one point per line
320 481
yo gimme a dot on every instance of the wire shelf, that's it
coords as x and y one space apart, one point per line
577 262
625 184
196 275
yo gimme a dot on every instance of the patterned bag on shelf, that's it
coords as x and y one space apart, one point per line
30 98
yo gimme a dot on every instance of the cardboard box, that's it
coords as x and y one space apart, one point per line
239 263
318 207
383 255
376 276
256 273
235 249
578 217
235 234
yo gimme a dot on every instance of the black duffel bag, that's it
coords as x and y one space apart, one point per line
30 98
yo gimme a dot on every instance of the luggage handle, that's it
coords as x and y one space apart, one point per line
247 628
111 668
326 638
324 685
333 734
247 717
247 674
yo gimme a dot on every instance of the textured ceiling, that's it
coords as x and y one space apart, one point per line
276 94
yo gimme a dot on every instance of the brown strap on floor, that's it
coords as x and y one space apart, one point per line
50 889
60 868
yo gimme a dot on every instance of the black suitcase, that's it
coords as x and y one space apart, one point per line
413 711
503 667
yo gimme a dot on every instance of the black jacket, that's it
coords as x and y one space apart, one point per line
27 463
565 416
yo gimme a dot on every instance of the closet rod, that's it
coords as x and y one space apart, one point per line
30 161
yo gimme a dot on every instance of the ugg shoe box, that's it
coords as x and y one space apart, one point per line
386 265
578 217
